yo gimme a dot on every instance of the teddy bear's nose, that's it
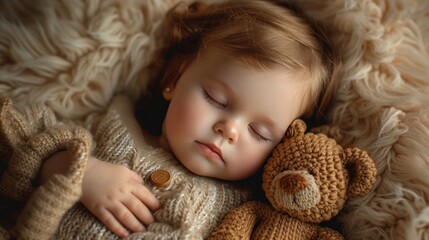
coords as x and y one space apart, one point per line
293 183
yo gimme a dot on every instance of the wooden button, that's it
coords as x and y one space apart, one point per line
160 178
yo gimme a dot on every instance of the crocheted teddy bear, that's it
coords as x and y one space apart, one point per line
307 179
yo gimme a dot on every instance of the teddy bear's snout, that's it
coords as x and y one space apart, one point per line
293 183
295 190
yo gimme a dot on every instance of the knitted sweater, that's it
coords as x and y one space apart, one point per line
191 205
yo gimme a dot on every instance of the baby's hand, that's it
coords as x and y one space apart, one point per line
117 197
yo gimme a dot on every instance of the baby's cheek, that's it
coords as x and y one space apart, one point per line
188 114
250 159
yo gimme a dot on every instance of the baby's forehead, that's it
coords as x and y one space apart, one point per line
218 55
249 75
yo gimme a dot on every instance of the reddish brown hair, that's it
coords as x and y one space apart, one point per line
259 33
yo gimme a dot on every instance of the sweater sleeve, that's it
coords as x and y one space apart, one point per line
191 207
27 139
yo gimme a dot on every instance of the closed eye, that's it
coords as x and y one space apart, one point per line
212 101
257 135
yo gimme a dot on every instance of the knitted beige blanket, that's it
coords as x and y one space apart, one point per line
191 205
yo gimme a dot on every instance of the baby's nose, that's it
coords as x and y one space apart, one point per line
228 130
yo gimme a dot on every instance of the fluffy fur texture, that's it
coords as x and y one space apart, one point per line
75 55
78 54
382 106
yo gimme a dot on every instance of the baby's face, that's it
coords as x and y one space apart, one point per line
225 117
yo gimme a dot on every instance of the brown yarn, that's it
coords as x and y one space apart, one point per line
307 180
293 183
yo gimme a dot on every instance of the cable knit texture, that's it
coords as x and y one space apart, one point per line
191 205
27 142
75 55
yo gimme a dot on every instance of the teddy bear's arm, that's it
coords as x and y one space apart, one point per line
238 223
328 234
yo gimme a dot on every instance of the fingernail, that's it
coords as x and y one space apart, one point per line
124 234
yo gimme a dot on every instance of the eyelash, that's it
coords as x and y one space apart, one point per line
212 101
256 135
217 104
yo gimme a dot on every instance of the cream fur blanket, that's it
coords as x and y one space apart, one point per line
78 54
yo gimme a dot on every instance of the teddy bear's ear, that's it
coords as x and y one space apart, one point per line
13 128
362 171
296 128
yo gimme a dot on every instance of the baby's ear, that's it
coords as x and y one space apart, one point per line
362 171
296 128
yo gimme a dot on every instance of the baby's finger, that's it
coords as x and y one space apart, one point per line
137 177
111 223
147 197
126 218
139 210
